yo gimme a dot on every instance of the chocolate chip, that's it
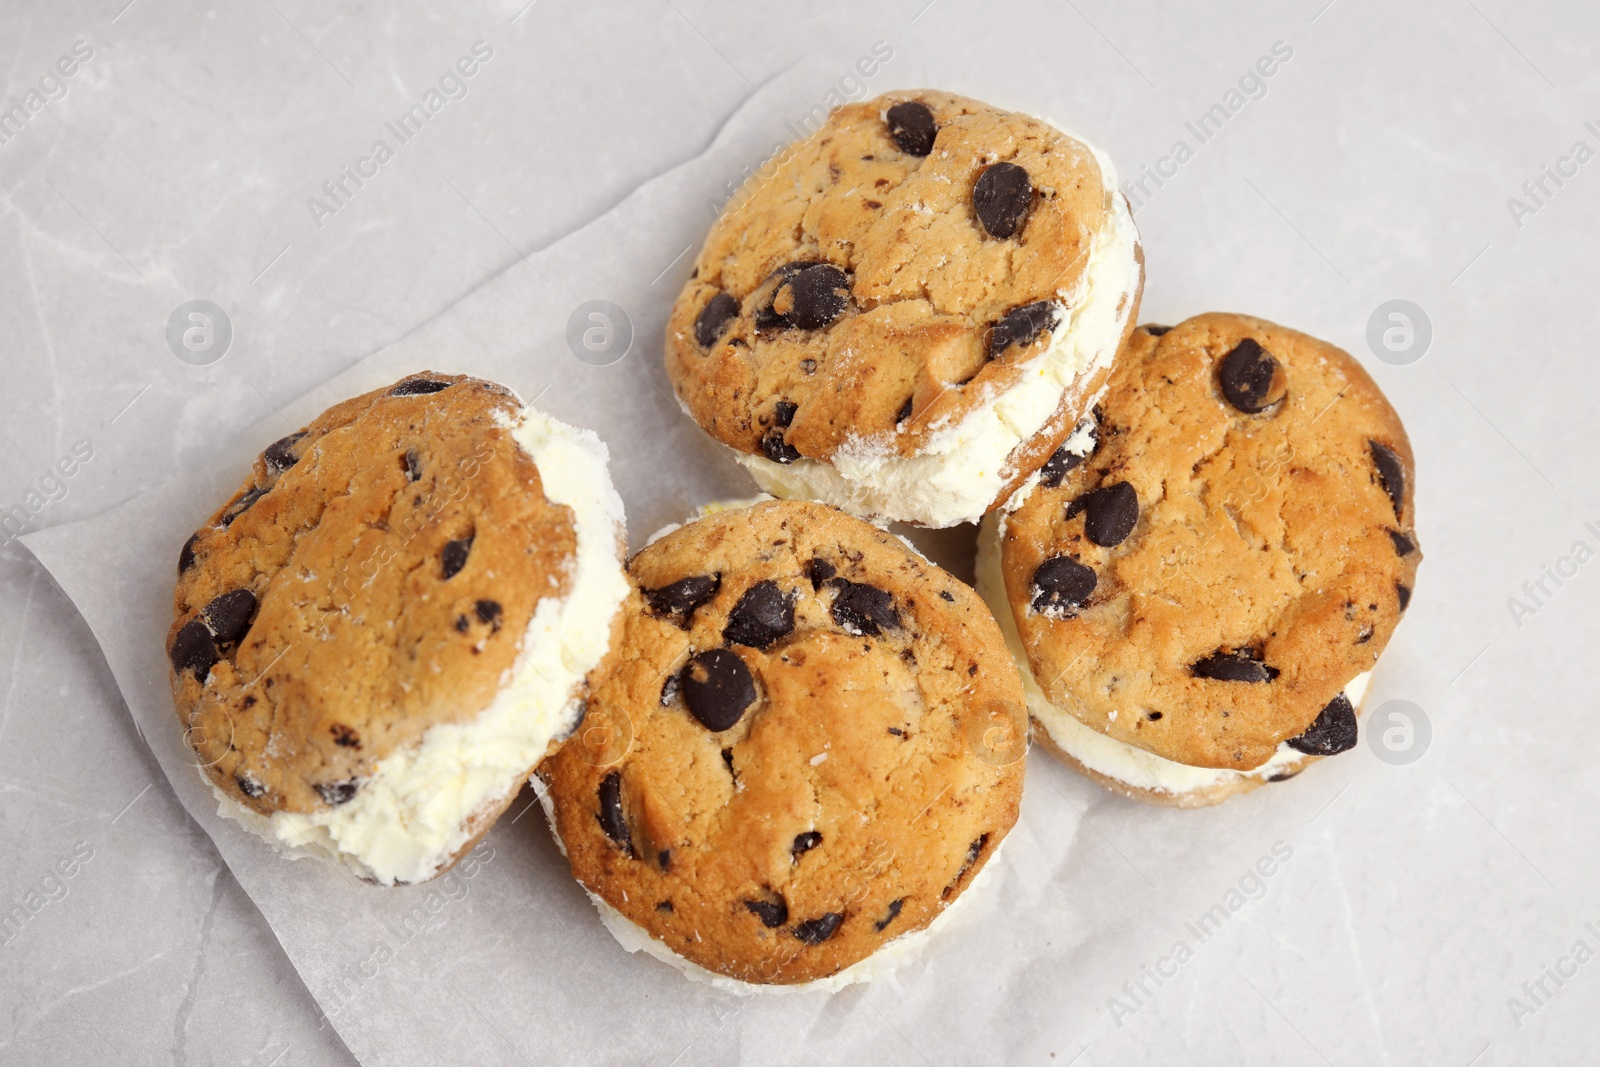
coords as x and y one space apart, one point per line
767 317
453 557
1334 730
249 786
279 455
1112 512
714 318
679 600
1282 776
1391 474
904 413
816 931
891 915
488 612
819 294
974 850
186 554
911 127
664 905
242 505
804 843
863 609
819 570
669 690
762 616
1001 198
462 625
897 731
1233 665
1060 585
1153 330
229 615
944 594
1403 592
1403 545
412 464
334 794
783 412
727 760
610 815
1022 326
418 387
808 365
577 724
717 687
1250 378
664 858
1056 467
771 913
344 737
194 649
775 448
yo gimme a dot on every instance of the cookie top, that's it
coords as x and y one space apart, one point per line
896 273
373 578
806 743
1238 546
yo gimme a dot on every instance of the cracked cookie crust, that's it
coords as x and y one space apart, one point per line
806 743
384 629
1233 554
912 311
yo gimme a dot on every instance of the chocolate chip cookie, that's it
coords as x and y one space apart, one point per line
906 313
386 627
805 744
1234 552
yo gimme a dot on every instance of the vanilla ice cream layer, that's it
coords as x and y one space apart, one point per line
962 468
1095 750
418 808
635 938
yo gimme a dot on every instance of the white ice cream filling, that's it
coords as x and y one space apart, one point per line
417 808
1098 752
890 956
962 468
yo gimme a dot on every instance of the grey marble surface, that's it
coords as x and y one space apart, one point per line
177 161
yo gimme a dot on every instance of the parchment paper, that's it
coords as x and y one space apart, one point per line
505 961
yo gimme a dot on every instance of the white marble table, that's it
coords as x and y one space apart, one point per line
1402 152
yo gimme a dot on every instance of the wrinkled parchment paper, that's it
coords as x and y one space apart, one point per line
505 961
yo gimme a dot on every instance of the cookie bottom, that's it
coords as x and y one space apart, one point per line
1122 768
892 955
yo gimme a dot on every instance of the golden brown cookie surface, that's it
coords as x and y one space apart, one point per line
1238 546
893 273
806 742
370 580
